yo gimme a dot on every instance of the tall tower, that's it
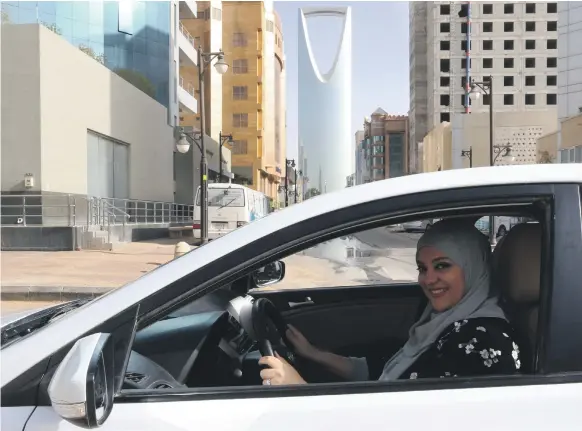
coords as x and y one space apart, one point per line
325 103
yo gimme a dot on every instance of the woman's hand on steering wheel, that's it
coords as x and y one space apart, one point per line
280 372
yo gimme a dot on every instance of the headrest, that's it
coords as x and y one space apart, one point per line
517 263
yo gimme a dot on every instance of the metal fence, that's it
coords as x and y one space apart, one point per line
78 210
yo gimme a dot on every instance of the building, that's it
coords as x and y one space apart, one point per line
515 43
569 136
385 145
247 102
444 145
325 105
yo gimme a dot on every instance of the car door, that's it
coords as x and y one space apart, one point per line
549 399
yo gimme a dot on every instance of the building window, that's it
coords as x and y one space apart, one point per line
508 44
508 26
551 62
530 81
530 8
240 66
445 100
487 9
530 44
487 63
530 26
508 8
485 99
240 120
487 79
552 44
508 81
216 14
240 93
551 99
464 27
463 100
239 39
552 7
464 45
445 116
552 25
445 65
464 63
487 45
445 45
508 63
445 27
530 99
487 27
445 9
508 99
445 81
551 80
239 147
530 62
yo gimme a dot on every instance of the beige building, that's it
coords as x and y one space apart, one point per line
249 100
519 131
76 127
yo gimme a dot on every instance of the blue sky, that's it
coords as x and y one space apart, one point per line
379 51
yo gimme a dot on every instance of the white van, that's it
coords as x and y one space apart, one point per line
229 206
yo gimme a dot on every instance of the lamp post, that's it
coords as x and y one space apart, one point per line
222 139
468 153
503 151
487 88
289 163
204 59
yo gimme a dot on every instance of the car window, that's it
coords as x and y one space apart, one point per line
380 256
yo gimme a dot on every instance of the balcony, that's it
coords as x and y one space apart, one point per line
188 9
186 43
187 97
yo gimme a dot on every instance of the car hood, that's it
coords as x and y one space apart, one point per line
16 316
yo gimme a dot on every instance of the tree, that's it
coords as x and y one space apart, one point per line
5 17
53 27
138 80
545 157
312 192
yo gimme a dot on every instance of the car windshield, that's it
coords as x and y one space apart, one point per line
224 197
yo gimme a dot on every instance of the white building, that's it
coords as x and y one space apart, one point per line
570 81
325 105
515 43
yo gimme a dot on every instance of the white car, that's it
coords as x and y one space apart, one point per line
417 225
152 355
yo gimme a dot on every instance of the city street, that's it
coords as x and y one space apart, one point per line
376 256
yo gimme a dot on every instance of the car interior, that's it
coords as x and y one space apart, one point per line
217 340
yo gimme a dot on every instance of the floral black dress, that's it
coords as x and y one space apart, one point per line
467 348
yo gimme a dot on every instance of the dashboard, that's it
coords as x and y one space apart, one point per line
205 349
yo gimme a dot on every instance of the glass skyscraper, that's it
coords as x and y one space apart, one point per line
132 38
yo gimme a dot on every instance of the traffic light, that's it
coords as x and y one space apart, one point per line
464 12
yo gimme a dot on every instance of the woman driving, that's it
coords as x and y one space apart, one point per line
462 332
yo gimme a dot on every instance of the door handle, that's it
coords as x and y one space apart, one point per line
307 301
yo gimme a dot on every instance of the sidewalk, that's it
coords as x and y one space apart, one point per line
49 276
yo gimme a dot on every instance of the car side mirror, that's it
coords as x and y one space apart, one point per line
81 390
269 274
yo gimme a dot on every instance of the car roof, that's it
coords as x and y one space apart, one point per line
19 357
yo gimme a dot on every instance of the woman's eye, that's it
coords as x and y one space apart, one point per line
442 265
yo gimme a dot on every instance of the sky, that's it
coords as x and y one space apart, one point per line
379 52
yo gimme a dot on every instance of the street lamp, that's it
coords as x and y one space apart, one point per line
487 88
182 146
222 139
468 153
289 163
503 151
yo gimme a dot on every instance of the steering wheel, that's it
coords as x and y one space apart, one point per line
270 329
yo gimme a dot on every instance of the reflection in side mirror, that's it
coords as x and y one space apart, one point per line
269 274
81 390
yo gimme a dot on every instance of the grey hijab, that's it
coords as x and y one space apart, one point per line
467 247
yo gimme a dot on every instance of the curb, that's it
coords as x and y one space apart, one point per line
50 293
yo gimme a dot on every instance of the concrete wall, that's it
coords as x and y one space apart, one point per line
436 146
54 93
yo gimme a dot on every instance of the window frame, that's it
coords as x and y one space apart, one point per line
558 211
